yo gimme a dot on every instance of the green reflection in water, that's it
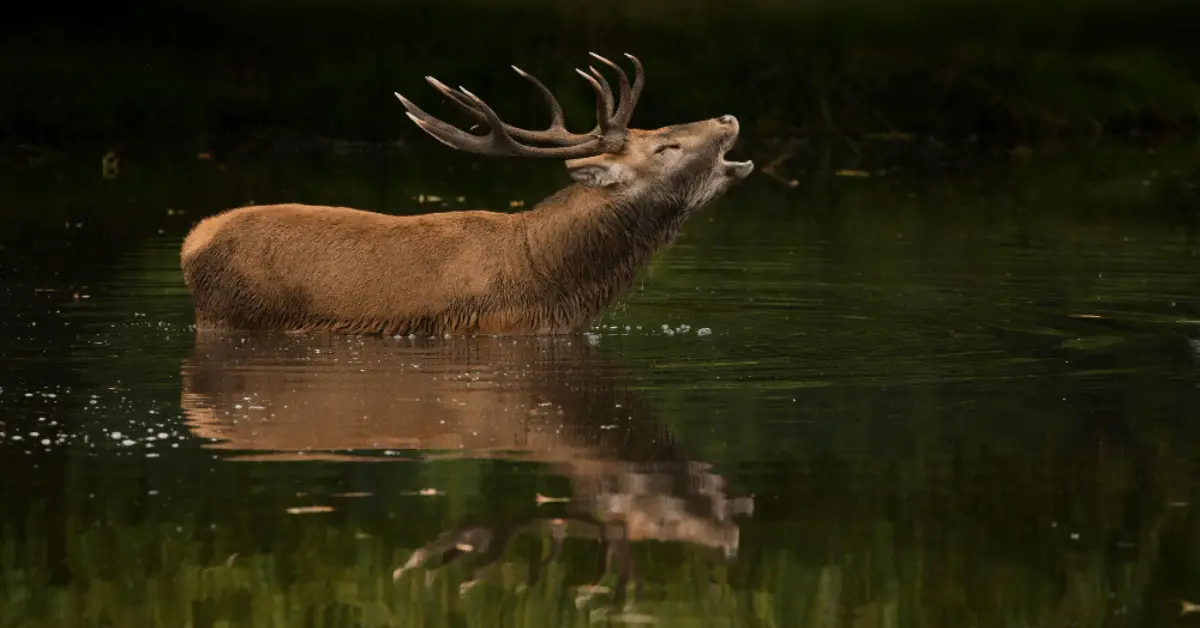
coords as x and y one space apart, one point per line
958 401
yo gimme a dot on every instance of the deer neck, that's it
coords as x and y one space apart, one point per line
587 245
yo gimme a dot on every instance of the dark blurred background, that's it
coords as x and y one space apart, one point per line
256 75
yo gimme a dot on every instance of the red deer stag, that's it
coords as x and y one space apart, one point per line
550 269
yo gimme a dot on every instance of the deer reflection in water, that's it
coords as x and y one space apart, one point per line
554 400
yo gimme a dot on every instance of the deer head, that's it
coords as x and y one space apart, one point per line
681 165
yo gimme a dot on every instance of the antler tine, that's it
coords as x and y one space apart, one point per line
494 143
639 80
498 134
556 112
622 82
608 95
431 125
464 103
605 122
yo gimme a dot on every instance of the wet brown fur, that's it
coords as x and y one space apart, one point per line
551 269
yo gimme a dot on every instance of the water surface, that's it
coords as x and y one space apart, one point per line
959 398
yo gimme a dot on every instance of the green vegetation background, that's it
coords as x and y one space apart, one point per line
260 72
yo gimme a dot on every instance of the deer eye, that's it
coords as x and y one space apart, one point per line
664 147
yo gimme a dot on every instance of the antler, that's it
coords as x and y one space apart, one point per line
612 126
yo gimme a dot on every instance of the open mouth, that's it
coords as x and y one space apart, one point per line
736 169
733 164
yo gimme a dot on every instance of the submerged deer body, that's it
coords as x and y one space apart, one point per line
550 269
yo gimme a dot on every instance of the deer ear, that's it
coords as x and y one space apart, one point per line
598 172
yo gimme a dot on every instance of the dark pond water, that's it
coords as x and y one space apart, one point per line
957 399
